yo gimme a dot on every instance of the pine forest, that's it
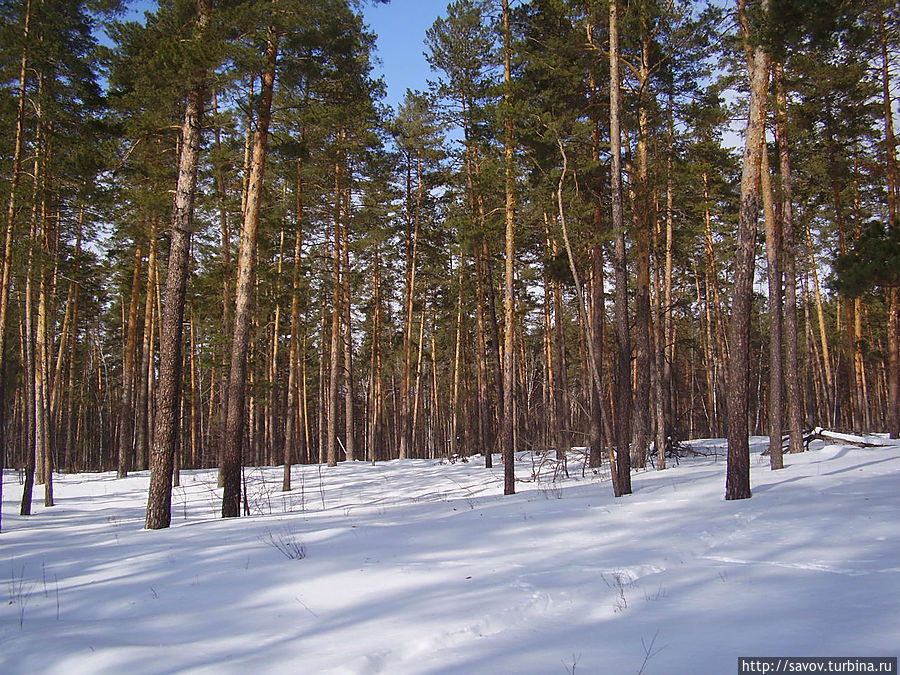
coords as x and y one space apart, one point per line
605 227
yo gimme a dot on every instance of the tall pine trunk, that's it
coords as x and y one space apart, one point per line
237 380
737 483
776 338
509 299
126 407
334 372
893 185
293 411
165 435
144 398
788 249
623 403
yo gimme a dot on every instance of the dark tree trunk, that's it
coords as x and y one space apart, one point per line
893 185
237 380
737 485
331 437
509 300
791 358
126 409
623 403
165 436
773 272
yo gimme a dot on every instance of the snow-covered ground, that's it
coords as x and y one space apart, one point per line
424 567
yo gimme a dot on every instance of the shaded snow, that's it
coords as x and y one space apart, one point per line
424 567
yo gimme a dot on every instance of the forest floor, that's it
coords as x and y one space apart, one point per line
422 566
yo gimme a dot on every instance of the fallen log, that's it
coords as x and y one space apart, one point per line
850 439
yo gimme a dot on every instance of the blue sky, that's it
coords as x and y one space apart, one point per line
400 26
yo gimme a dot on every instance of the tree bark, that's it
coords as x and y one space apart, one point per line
346 295
411 248
331 438
773 272
293 412
641 424
237 380
509 299
144 398
623 401
126 408
165 436
43 439
893 185
457 353
737 483
791 358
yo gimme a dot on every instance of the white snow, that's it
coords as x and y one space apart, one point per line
425 567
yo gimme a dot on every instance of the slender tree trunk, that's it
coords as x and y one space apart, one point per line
737 485
43 440
126 408
658 357
411 247
776 364
828 373
237 380
597 300
485 436
322 380
331 438
69 415
227 296
893 181
374 362
583 320
623 338
509 299
457 351
33 460
417 387
144 374
272 414
25 340
16 172
641 424
195 398
598 318
349 412
293 412
791 358
159 501
668 350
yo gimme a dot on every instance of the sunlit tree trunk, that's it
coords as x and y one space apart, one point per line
237 380
737 484
165 436
509 299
